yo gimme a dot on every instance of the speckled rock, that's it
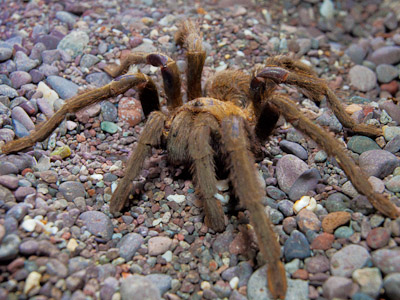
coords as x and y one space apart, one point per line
360 144
308 220
370 281
72 190
337 287
8 91
159 245
386 73
130 111
74 43
19 78
387 260
129 244
138 287
334 220
362 78
98 224
296 246
306 182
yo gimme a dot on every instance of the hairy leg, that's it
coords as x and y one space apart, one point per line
316 88
169 72
118 86
188 37
243 175
177 144
203 169
150 137
360 181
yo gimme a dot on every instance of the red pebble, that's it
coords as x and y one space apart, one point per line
25 171
378 238
323 241
391 87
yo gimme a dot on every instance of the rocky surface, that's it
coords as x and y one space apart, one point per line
58 239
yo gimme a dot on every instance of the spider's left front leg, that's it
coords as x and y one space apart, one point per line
243 175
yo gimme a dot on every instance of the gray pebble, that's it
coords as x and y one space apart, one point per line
161 281
72 190
9 247
23 62
386 73
98 79
288 169
138 287
306 182
129 244
337 287
391 284
74 43
378 163
386 55
5 53
88 60
98 224
293 148
8 91
362 78
348 259
64 87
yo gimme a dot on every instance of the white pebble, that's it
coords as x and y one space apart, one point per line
32 281
167 256
29 225
234 282
176 198
96 177
205 285
222 185
48 94
306 202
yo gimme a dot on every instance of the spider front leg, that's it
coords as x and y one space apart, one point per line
150 137
114 88
333 148
316 88
243 175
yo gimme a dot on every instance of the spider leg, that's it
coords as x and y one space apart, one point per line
150 137
203 169
243 175
292 114
177 145
316 88
169 73
118 86
189 38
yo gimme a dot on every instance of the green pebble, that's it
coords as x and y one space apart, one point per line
63 151
343 232
109 127
320 157
360 144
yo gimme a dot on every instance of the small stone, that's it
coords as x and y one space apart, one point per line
378 163
296 246
63 152
55 267
392 88
129 244
387 260
6 135
317 264
386 73
9 247
362 78
8 91
370 281
337 287
19 114
88 60
334 220
356 53
109 127
293 148
159 245
19 78
64 87
9 181
72 190
130 111
378 238
176 198
337 202
393 184
66 17
348 259
109 111
74 43
288 169
161 281
386 55
5 53
23 62
138 287
307 220
320 157
390 132
323 241
343 232
360 144
392 109
32 282
391 285
98 79
98 224
306 182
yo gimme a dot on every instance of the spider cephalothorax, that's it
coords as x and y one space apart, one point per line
231 118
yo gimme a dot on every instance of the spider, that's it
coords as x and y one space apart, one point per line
231 118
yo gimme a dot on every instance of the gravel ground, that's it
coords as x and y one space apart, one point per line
57 237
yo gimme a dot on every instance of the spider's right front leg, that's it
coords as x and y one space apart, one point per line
150 137
118 86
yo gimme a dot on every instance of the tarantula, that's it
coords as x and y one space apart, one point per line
231 118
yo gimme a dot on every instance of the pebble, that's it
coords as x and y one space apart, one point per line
18 114
23 62
139 287
391 285
288 169
161 281
343 232
109 127
109 111
356 53
337 202
320 157
9 247
385 55
66 17
98 79
5 54
74 43
98 224
55 267
64 87
378 163
390 132
9 181
392 109
334 220
19 78
8 91
360 144
296 246
348 259
256 288
72 190
362 78
370 281
129 244
386 73
305 183
387 260
32 282
88 60
293 148
317 264
130 111
323 241
307 220
337 287
393 184
159 245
